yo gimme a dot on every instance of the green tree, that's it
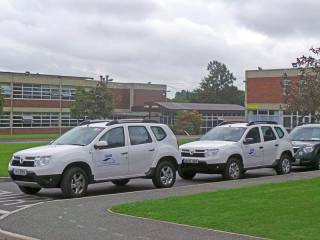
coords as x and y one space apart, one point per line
303 96
95 103
189 121
217 86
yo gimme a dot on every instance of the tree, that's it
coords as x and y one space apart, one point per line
1 101
303 96
189 121
216 87
95 103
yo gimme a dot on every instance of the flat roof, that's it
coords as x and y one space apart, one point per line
42 74
200 106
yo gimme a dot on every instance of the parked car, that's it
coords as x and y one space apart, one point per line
306 145
99 151
232 148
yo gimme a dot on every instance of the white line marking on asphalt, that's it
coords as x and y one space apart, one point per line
102 229
3 212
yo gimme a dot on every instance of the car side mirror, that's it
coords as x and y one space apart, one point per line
101 145
248 141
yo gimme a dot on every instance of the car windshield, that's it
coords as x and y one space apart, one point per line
78 136
233 134
305 134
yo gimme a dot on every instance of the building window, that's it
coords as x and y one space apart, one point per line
67 121
23 120
6 89
37 91
5 120
286 86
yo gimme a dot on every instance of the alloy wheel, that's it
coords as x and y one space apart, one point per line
166 175
78 183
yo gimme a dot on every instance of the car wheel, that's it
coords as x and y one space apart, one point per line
316 165
165 175
284 165
29 190
74 182
233 169
120 182
188 175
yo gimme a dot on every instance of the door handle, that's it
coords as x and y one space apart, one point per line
151 150
276 145
124 153
261 147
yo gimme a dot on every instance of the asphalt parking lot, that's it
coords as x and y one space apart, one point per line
11 198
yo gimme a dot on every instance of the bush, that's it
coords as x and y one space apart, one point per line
189 121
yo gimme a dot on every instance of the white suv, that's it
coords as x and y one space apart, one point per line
99 151
232 148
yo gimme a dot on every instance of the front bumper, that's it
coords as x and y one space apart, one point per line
203 167
304 159
33 180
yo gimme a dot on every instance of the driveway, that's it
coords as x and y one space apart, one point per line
88 218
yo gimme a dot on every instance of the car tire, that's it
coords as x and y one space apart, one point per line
233 169
187 175
316 165
284 165
74 182
165 175
120 182
29 190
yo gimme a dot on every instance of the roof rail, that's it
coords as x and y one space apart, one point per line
261 122
86 122
230 122
131 121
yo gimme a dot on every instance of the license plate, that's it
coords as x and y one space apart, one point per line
192 161
20 172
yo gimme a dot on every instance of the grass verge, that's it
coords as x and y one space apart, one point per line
6 151
278 211
29 136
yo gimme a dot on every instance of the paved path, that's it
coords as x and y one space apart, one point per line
87 218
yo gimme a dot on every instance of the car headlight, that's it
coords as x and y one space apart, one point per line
308 149
42 161
211 152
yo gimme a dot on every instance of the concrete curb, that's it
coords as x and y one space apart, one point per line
5 179
186 225
4 235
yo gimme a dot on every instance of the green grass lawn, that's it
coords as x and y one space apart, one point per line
185 140
278 211
29 136
6 151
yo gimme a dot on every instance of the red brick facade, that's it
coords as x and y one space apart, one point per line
266 90
141 96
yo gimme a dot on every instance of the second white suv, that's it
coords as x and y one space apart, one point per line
99 151
232 148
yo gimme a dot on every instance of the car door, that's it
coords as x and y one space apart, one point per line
253 149
112 161
142 149
270 145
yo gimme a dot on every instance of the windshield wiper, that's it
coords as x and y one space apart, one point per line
76 144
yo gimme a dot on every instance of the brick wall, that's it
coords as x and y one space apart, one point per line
141 96
266 90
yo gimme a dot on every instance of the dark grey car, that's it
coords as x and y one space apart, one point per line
306 145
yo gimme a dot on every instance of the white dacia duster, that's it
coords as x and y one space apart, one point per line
99 151
232 148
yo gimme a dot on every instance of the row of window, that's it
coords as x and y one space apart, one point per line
37 91
37 120
267 133
137 134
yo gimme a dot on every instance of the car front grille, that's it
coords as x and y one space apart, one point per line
27 162
196 153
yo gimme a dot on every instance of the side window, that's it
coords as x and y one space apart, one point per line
114 137
279 132
254 134
139 135
268 134
159 133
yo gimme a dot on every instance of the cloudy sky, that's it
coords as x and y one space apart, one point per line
162 41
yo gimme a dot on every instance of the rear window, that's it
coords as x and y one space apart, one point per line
279 132
159 133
